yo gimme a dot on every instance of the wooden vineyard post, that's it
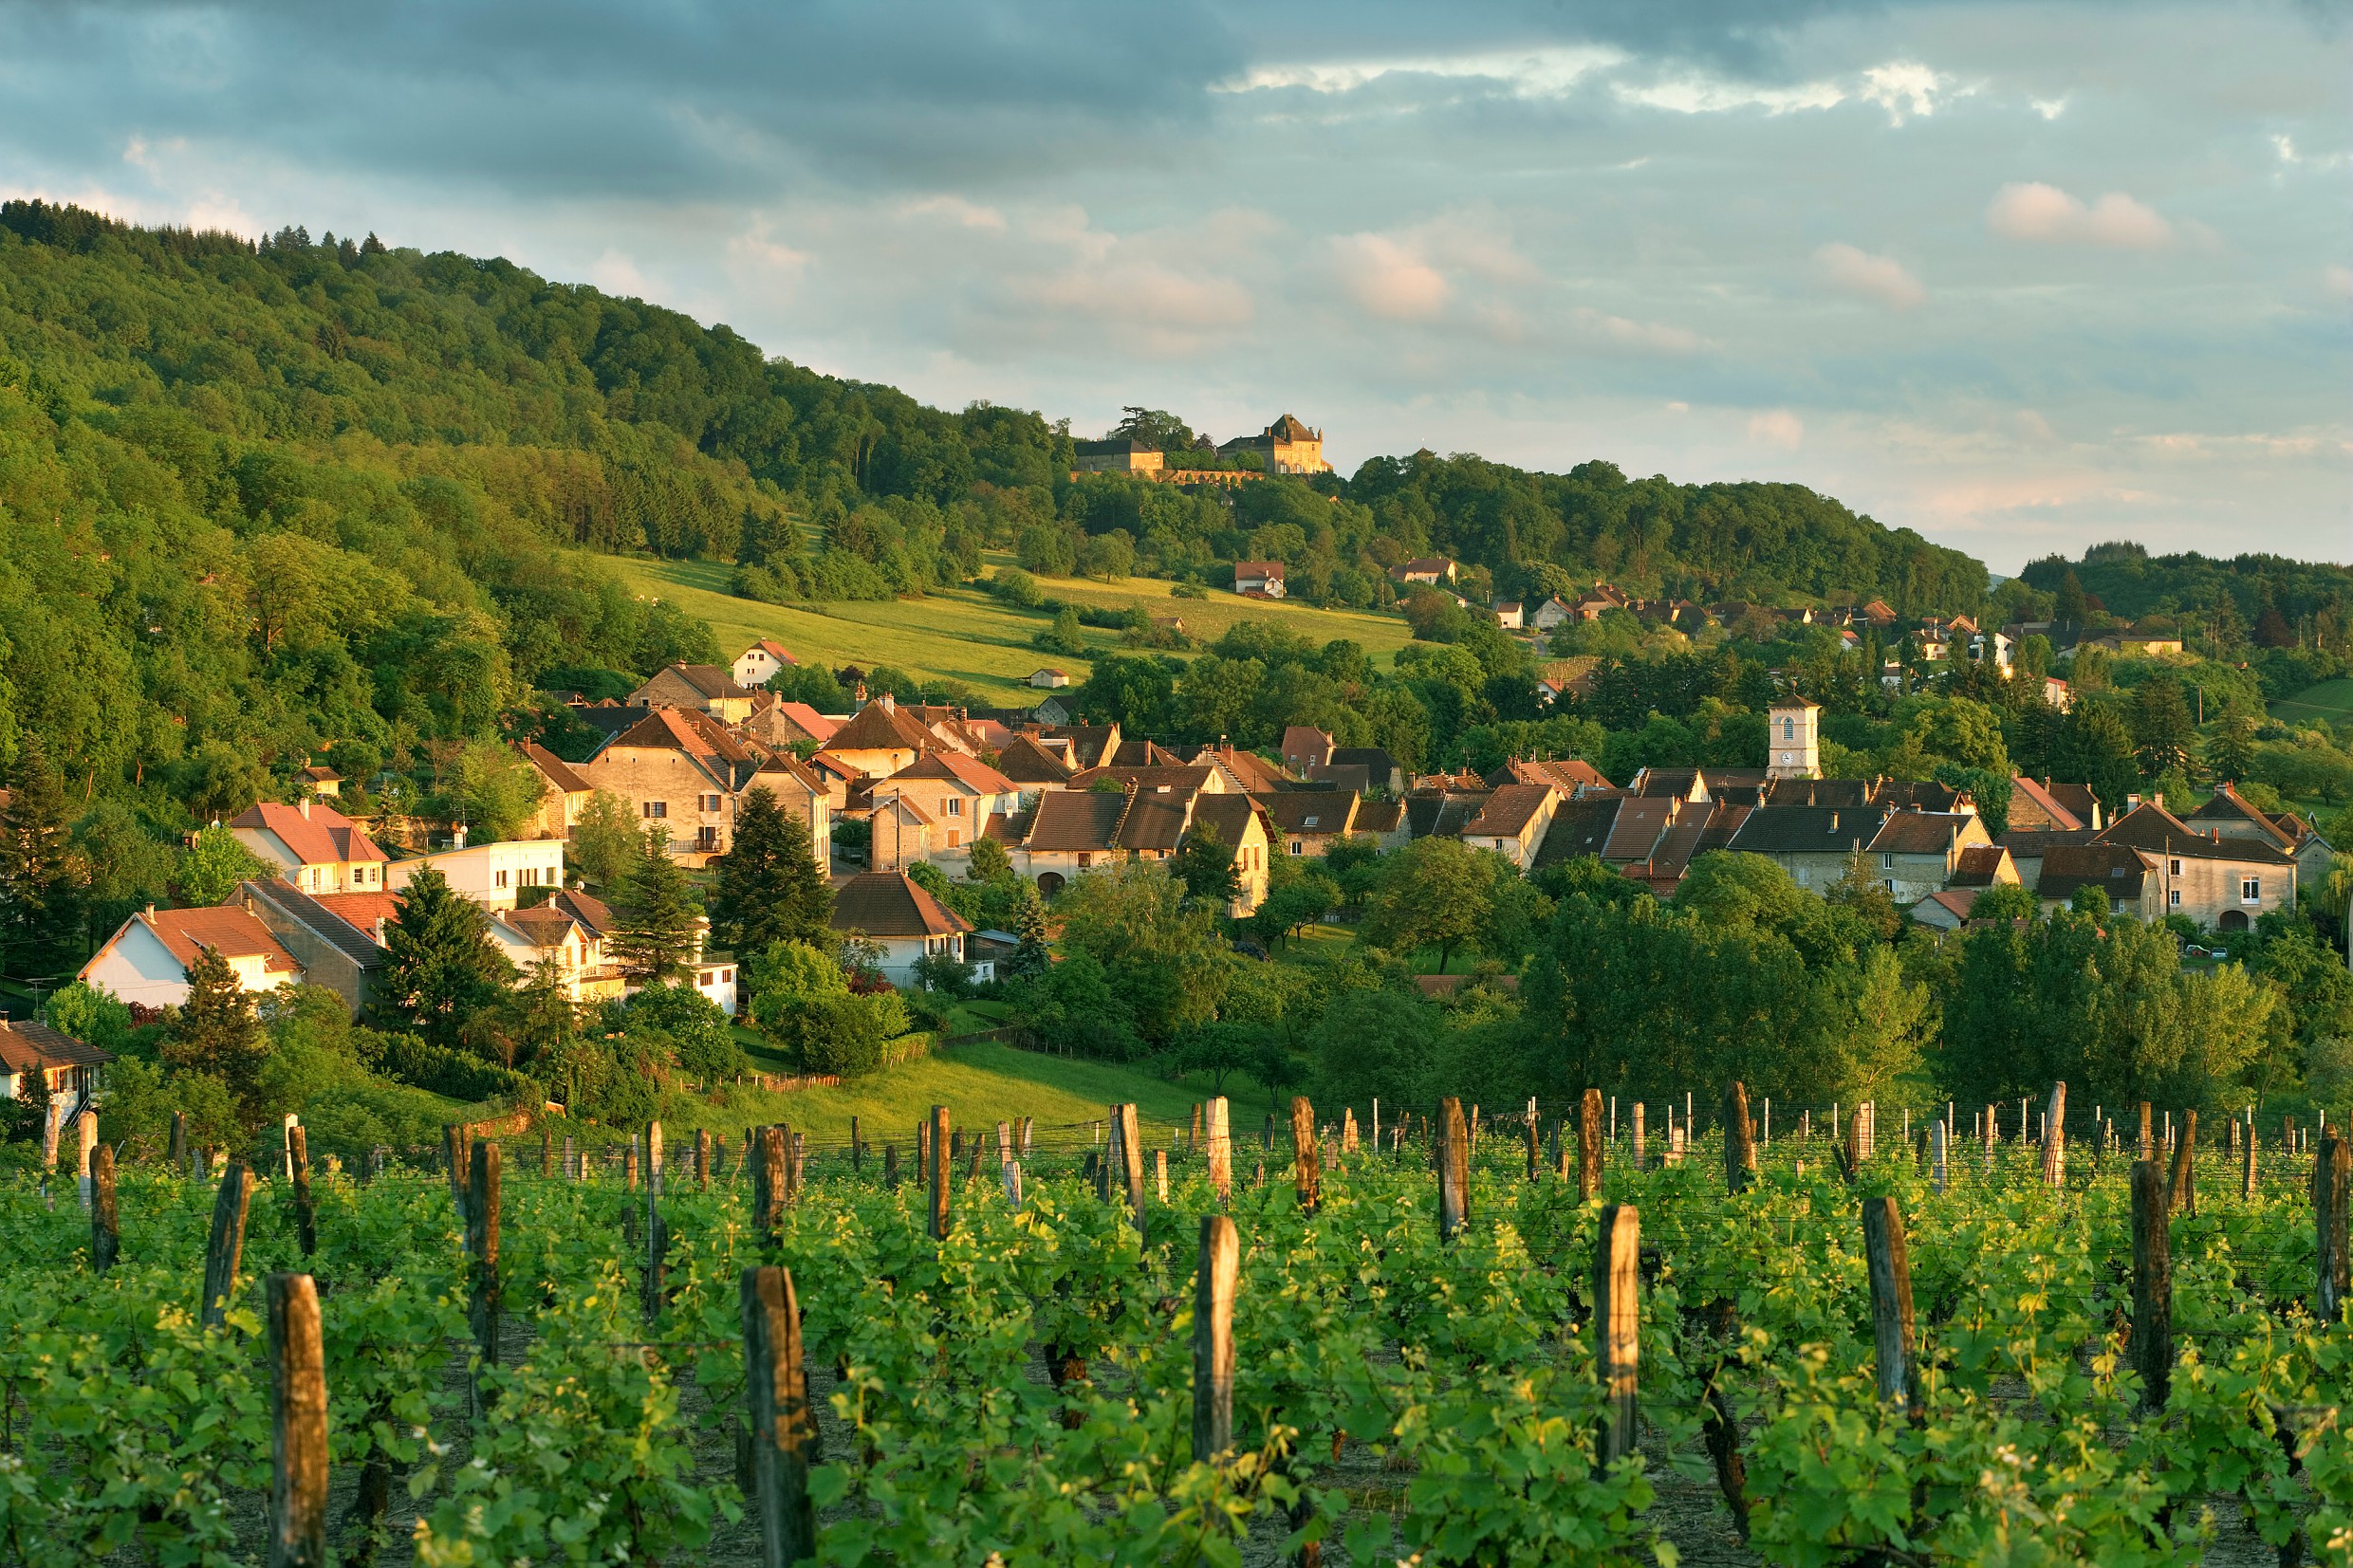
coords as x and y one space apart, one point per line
784 1433
923 1150
2055 1138
482 1257
1213 1338
305 1211
1739 1148
225 1245
890 1167
1454 1154
1987 1127
1640 1137
297 1425
768 1182
1192 1138
1221 1149
546 1153
1939 1138
1589 1145
175 1152
1616 1330
454 1159
1850 1160
1004 1143
788 1142
629 1166
2181 1192
571 1159
858 1146
2152 1346
1891 1303
2147 1145
1131 1161
106 1231
702 1158
1307 1155
2247 1167
1533 1134
1159 1171
1104 1182
935 1174
2332 1204
1347 1131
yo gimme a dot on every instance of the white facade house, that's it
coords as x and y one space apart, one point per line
146 960
315 847
756 664
490 874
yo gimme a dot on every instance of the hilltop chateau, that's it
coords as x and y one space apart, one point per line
1287 446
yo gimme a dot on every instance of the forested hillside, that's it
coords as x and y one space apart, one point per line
268 498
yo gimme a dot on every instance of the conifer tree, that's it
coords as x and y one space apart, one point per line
657 908
770 888
441 968
39 912
214 1031
1031 958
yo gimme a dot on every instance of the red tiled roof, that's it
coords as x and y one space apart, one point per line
27 1046
970 771
323 836
1077 819
228 931
890 903
361 911
882 726
554 769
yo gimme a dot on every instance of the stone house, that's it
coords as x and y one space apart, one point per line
957 794
1306 746
2132 881
1513 822
561 793
705 688
1308 822
2220 883
879 739
1815 844
681 769
1285 445
1916 853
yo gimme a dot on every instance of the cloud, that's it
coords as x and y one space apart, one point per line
1389 279
1870 277
1601 328
1704 95
2047 214
1535 73
1904 87
1777 428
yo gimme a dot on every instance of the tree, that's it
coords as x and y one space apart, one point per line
1030 957
1063 635
1434 893
655 928
2231 747
40 911
1163 953
604 841
697 1026
1204 863
214 1031
213 865
2005 901
989 861
490 789
769 887
2074 606
441 968
2162 726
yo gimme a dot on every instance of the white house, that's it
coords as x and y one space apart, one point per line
1048 679
756 664
490 874
314 846
1509 613
1261 578
1549 614
890 910
146 960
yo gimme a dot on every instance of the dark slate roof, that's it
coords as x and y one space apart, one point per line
1023 761
1806 830
27 1046
1442 813
1227 815
2159 831
1154 822
1917 833
1510 810
890 903
1578 828
1980 866
1380 816
1076 820
1310 810
2117 870
321 921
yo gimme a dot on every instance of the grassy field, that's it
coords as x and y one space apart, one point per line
2331 700
963 635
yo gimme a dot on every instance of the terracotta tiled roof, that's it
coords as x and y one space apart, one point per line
692 734
228 931
2038 800
1509 811
882 726
1149 780
1081 820
323 836
1980 866
359 910
1304 743
2153 828
1227 816
1022 760
555 769
890 903
775 650
1154 822
1566 775
27 1046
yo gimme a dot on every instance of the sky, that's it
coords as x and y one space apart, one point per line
2021 277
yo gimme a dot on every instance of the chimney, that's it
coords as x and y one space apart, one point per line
2132 803
305 806
457 838
380 931
151 911
890 703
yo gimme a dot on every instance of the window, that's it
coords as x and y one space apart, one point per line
710 802
498 879
2251 890
1085 859
1298 848
1887 862
654 810
2173 898
2173 867
1789 729
952 805
707 839
727 977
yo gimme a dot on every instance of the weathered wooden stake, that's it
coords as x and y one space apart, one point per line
1010 1172
546 1153
175 1152
226 1246
2332 1204
1938 1140
297 1425
1221 1149
1454 1156
1307 1155
784 1433
482 1257
105 1231
702 1158
2246 1170
768 1182
2152 1346
2055 1137
1535 1147
2147 1146
1739 1150
1159 1171
1589 1145
1891 1303
1348 1129
938 1174
1130 1158
1640 1138
858 1148
1213 1338
1617 1329
2181 1192
306 1212
890 1167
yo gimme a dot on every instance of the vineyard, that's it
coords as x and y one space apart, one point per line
1455 1341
